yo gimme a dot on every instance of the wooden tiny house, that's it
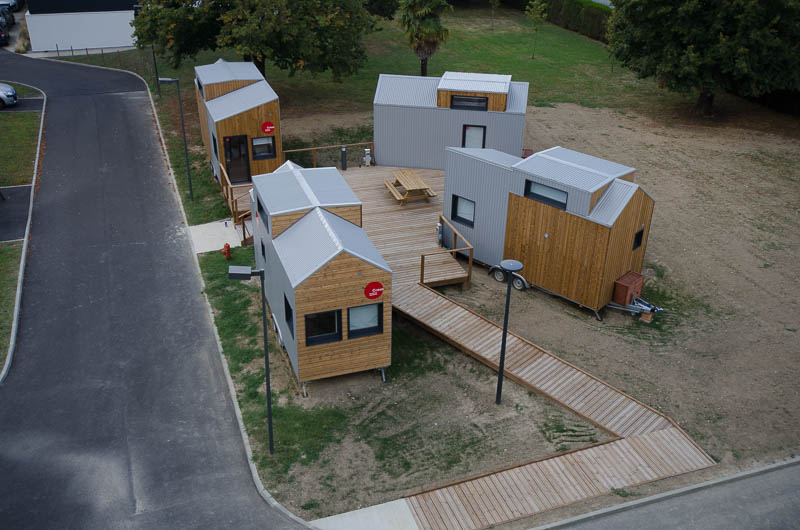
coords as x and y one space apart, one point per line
328 287
577 223
240 125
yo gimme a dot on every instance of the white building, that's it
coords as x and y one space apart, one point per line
79 24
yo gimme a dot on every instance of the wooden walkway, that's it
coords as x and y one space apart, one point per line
649 446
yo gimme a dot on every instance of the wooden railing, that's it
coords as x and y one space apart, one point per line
236 195
456 235
315 149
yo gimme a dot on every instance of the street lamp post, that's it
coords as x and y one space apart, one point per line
166 80
509 266
245 273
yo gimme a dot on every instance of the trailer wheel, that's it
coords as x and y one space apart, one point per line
518 283
499 275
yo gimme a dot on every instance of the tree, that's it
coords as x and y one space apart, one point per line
536 11
421 20
494 4
295 35
750 47
382 8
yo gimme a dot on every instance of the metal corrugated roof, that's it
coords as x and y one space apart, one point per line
592 163
222 71
613 201
472 82
240 100
318 237
292 188
563 173
489 155
517 100
406 91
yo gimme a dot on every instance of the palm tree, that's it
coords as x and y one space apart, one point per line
421 20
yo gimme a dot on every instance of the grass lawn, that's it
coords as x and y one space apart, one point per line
24 91
19 132
9 266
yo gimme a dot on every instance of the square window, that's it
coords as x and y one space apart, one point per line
546 194
262 214
323 327
364 320
463 211
473 136
637 239
469 102
288 314
264 148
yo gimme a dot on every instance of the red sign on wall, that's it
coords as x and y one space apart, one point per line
373 290
268 127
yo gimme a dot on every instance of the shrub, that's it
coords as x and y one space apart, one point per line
583 16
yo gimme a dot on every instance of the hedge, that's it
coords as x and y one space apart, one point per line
583 16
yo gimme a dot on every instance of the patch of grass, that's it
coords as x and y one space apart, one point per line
329 157
24 91
565 436
623 493
313 504
19 133
412 356
10 254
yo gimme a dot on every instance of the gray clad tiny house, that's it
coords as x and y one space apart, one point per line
577 222
415 118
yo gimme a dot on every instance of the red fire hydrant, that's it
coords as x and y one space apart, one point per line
226 251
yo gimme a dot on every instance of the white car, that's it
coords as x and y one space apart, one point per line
8 96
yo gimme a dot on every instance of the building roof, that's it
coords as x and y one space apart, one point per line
471 82
222 71
488 155
572 168
613 201
291 188
317 238
240 100
420 92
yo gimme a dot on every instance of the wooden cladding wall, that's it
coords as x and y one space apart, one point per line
338 285
350 213
596 197
569 261
621 256
496 101
629 177
249 123
203 117
280 222
215 90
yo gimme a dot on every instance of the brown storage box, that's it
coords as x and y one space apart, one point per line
628 287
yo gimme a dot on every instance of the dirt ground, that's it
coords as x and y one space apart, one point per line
722 252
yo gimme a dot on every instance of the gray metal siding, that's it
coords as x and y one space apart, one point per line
416 137
212 133
488 185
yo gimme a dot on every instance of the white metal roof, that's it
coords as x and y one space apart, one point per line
240 100
517 100
572 168
598 165
489 155
222 71
317 238
292 188
471 82
613 202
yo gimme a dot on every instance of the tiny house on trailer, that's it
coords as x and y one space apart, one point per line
578 223
240 120
415 118
328 287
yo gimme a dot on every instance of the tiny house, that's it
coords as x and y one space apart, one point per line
240 120
576 222
329 289
415 118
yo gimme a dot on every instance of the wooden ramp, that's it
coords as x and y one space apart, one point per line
649 446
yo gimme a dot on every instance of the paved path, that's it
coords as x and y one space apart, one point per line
765 501
116 412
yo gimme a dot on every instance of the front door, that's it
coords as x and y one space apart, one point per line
237 158
474 136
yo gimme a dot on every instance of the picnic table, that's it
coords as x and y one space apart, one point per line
414 188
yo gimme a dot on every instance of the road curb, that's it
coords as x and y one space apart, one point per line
566 523
12 341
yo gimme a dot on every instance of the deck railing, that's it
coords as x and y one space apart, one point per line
236 195
315 149
452 251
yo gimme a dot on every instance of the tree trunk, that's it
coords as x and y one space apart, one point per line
258 60
705 102
535 35
493 17
423 67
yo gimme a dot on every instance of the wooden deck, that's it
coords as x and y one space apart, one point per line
648 445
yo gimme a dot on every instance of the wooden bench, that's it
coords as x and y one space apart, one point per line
393 190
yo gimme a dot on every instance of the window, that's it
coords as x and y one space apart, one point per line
214 143
474 136
263 251
262 214
637 239
264 148
364 320
323 327
463 211
200 88
469 102
288 313
546 194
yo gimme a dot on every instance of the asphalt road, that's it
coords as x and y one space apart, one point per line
25 105
765 501
116 412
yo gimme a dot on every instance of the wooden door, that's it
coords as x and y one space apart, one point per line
237 158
